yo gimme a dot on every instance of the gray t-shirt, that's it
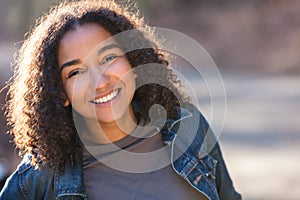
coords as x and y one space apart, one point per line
104 182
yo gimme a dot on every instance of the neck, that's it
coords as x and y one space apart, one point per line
107 132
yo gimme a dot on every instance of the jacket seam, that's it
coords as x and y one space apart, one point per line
24 188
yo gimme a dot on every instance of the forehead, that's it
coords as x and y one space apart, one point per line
80 42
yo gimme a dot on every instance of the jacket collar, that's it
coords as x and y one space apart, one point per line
169 129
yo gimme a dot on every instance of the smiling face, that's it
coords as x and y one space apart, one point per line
97 78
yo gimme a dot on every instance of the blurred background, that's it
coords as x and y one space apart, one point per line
256 46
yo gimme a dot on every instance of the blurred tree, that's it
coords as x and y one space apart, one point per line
17 16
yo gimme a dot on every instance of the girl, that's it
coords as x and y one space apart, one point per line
76 88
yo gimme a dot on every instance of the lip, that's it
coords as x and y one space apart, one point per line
96 101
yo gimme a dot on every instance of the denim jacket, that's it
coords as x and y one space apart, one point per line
195 156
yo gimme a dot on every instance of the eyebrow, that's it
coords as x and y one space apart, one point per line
108 47
78 61
70 63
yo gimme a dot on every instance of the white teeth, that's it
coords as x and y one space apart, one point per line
107 98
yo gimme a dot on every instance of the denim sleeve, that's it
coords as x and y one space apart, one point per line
208 140
11 189
224 183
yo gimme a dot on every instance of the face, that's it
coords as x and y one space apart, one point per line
97 78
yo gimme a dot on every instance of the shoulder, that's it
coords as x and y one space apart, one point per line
189 112
26 169
191 123
194 134
26 181
189 130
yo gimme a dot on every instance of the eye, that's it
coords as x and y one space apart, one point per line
109 58
75 72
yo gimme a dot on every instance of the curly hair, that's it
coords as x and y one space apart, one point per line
40 123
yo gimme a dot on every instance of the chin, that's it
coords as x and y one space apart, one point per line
109 118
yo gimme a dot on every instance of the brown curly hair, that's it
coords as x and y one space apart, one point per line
40 123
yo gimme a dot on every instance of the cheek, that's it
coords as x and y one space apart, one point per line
127 76
69 91
72 89
130 84
123 71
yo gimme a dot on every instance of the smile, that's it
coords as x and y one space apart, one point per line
106 98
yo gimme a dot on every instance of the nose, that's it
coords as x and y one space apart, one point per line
99 80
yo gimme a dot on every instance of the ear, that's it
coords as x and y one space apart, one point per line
135 75
67 103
